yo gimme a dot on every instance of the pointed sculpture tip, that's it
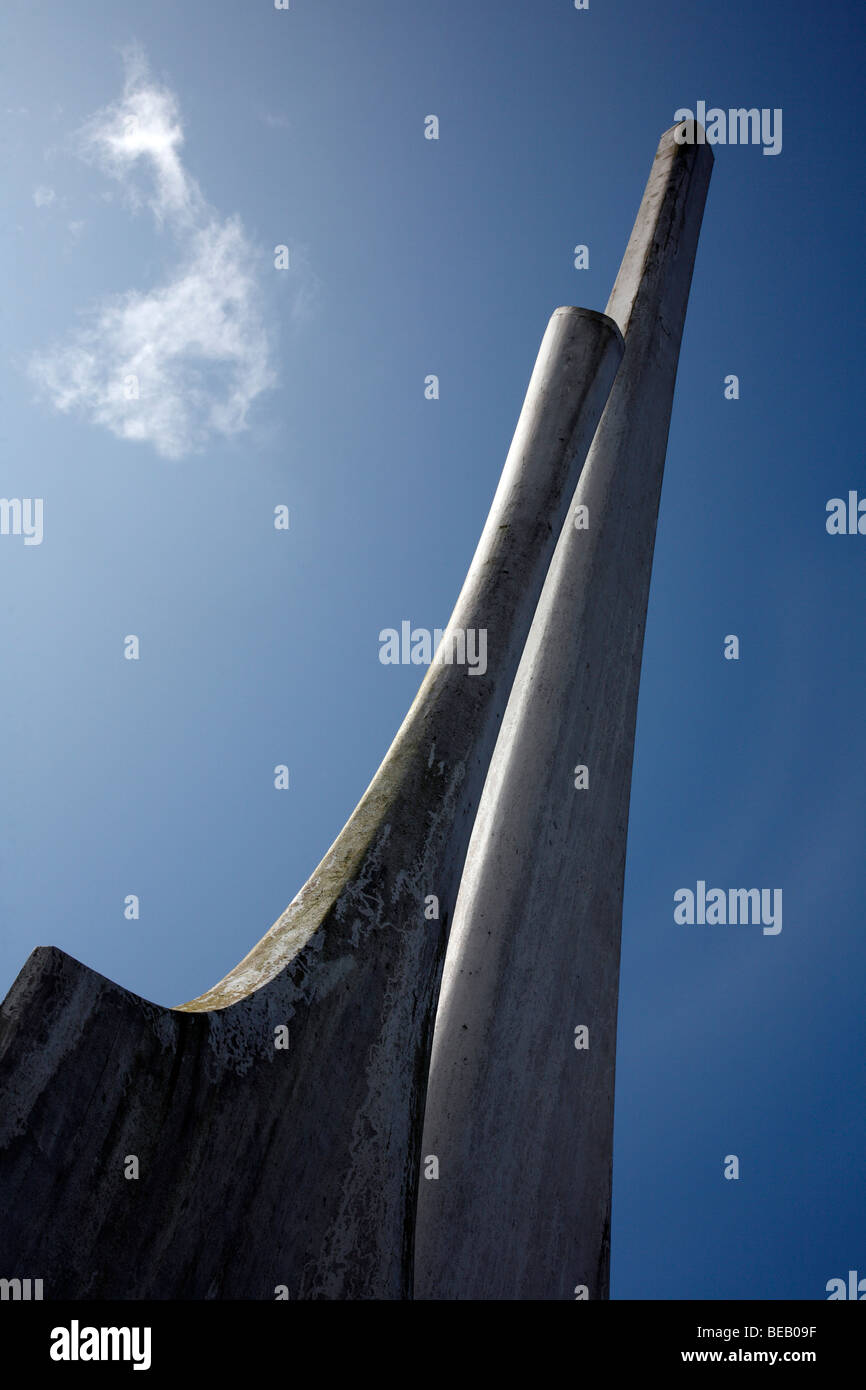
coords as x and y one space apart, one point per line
686 133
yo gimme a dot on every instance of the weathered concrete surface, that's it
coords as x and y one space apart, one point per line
520 1120
261 1167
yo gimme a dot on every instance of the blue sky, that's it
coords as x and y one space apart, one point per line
305 128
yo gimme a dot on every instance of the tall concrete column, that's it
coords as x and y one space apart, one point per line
259 1166
520 1099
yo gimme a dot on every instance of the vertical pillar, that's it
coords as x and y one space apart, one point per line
520 1099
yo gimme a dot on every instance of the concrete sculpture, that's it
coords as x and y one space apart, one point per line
297 1167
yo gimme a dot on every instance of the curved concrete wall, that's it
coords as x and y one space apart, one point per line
262 1167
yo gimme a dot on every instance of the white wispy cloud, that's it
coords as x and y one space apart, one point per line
43 197
181 363
143 129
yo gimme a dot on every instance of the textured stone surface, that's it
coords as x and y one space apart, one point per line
262 1167
520 1120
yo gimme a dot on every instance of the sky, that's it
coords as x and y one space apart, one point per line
165 386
